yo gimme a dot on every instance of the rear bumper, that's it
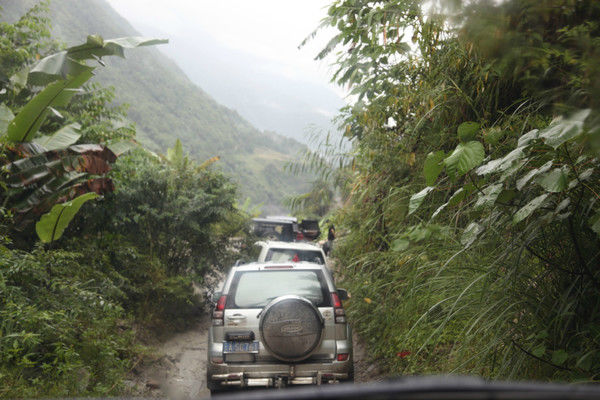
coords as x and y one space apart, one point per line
277 375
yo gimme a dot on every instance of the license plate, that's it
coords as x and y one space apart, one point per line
240 347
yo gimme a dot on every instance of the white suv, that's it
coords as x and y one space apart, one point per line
274 251
279 324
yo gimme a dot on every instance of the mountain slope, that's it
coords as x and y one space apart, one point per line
166 105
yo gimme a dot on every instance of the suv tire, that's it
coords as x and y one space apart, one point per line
291 328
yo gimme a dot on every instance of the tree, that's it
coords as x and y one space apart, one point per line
475 136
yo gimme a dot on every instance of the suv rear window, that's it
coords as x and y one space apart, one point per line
254 289
288 255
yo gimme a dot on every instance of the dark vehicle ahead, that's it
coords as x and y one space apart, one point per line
284 230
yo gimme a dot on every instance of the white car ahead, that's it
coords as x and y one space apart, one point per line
274 251
279 324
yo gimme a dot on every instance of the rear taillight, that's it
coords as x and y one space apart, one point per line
217 316
342 357
338 310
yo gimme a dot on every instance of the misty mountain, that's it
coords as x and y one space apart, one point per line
250 85
165 104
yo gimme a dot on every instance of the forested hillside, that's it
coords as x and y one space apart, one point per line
101 241
166 105
469 230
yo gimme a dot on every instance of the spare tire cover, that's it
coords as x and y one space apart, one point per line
291 328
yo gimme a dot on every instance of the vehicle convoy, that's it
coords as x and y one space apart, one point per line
279 324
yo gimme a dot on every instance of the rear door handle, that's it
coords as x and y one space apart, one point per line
236 317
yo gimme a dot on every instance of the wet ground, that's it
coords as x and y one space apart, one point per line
179 369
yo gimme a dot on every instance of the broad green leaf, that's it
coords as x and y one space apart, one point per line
439 210
54 67
122 147
95 46
467 131
461 194
565 129
501 164
559 357
493 135
64 137
556 180
400 244
521 182
530 207
6 116
433 167
539 351
417 198
489 195
465 157
585 175
470 234
52 225
27 122
528 137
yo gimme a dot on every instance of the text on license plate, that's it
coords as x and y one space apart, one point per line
240 347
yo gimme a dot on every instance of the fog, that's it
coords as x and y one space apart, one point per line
245 54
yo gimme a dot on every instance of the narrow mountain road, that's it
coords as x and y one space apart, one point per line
180 371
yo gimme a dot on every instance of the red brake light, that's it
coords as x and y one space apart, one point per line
338 310
278 267
335 299
221 303
342 357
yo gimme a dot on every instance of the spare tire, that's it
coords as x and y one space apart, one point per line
291 328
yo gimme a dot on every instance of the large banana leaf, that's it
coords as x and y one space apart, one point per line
54 67
64 137
57 190
95 46
40 199
122 147
90 158
70 62
27 122
52 225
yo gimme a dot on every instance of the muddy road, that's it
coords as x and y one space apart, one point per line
179 369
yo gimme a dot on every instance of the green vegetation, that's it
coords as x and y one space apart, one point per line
121 239
162 100
471 209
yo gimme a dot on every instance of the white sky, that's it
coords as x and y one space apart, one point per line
270 29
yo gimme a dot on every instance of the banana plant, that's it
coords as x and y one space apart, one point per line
42 171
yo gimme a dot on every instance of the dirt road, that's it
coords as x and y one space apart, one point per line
179 371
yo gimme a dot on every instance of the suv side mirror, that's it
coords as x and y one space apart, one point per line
343 294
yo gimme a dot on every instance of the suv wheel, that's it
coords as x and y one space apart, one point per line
291 328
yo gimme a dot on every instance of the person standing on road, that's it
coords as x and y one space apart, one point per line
330 239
